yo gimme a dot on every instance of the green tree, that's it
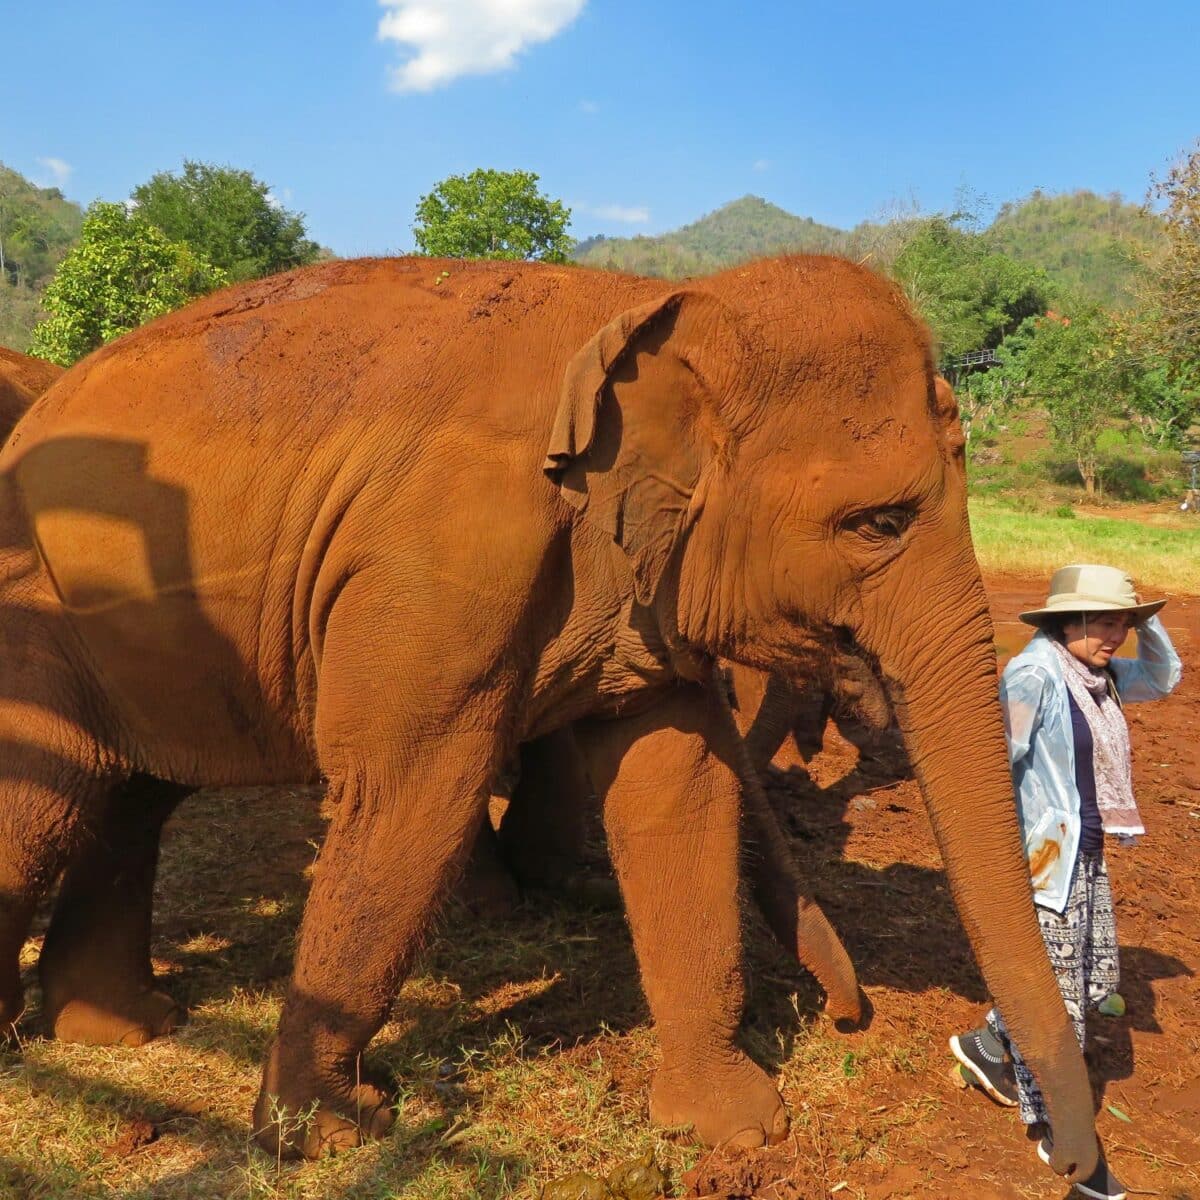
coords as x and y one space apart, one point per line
971 296
122 272
1164 397
37 225
228 217
492 214
1071 366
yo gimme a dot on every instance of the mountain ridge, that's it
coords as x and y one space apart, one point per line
1091 245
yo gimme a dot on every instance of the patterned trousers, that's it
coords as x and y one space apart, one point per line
1082 944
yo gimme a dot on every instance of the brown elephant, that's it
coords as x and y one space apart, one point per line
22 380
542 842
384 520
542 837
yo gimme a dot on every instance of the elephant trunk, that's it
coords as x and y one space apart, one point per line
942 682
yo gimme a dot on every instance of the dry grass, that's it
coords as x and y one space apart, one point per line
522 1048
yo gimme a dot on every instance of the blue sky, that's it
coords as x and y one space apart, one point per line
641 115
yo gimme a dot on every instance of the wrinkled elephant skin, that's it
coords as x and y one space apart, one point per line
381 521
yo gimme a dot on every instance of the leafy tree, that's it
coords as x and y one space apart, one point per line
122 272
1164 397
1173 297
228 217
971 296
492 214
1071 367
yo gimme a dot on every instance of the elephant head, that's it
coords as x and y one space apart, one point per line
772 451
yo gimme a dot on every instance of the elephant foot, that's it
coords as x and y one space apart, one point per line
600 893
488 891
126 1021
735 1104
343 1116
487 887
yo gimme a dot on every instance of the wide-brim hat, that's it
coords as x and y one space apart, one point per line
1090 587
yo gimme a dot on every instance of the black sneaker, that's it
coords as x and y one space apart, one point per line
1101 1184
983 1057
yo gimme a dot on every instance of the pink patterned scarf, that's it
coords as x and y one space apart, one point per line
1110 744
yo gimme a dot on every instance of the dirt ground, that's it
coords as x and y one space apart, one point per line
523 1045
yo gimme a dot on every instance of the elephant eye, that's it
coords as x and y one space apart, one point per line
880 524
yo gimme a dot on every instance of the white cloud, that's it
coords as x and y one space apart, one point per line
446 39
589 106
628 214
59 170
762 164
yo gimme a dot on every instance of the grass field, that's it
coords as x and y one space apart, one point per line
1162 550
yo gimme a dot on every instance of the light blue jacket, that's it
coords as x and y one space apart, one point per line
1041 746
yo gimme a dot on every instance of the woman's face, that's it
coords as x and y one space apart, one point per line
1095 640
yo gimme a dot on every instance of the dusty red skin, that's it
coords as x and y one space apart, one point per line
22 380
380 521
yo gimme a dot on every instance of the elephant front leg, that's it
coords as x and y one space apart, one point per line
671 804
398 840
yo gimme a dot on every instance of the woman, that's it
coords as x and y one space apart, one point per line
1069 746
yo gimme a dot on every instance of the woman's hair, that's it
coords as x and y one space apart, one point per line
1056 626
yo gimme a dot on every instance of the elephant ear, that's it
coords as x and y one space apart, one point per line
635 429
945 410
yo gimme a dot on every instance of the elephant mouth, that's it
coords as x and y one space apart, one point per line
857 685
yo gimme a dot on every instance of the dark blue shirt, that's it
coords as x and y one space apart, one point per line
1091 834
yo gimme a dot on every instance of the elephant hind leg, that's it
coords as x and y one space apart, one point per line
543 834
55 772
42 801
97 981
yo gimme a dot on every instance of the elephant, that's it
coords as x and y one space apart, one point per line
22 380
382 521
542 837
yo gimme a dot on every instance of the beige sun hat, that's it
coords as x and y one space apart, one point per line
1090 587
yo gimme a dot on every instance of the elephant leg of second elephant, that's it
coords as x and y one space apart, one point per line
671 806
543 833
487 886
795 918
767 710
49 786
97 980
